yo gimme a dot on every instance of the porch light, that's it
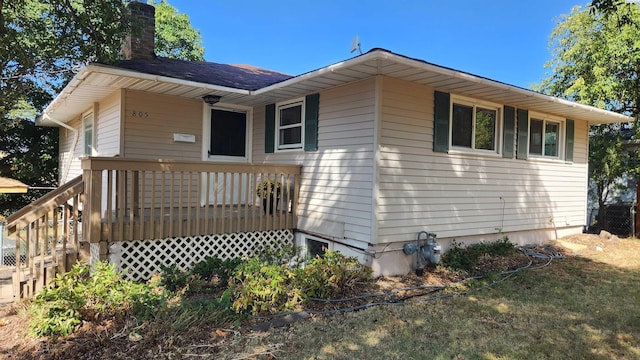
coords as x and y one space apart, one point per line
211 99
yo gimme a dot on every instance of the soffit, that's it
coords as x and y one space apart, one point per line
95 82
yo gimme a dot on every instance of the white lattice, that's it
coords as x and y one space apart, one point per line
140 259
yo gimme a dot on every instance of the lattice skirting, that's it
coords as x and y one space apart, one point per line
140 259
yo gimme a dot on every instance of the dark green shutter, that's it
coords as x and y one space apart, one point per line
522 149
568 150
508 132
312 106
441 106
269 128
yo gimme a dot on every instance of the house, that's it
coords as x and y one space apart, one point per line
367 153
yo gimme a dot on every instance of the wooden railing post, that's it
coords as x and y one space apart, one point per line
92 209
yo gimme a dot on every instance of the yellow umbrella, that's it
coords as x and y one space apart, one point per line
12 186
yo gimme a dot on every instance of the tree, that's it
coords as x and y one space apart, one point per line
42 42
175 37
596 61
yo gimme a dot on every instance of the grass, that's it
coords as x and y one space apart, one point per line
582 307
578 308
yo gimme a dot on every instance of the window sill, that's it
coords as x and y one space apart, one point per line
490 154
551 160
288 150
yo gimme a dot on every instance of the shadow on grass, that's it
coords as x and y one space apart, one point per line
573 309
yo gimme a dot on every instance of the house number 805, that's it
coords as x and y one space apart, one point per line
140 114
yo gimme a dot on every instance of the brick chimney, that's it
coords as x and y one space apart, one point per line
139 42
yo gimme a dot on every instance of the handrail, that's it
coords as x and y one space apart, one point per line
138 199
44 204
110 163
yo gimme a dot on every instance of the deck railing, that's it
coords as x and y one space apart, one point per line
47 237
129 199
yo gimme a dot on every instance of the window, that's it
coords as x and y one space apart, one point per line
228 133
544 137
290 122
474 126
87 126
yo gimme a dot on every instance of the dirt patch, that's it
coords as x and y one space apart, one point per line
127 339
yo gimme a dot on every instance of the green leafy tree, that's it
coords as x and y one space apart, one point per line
175 37
596 61
42 42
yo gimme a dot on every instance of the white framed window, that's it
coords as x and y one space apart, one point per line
290 124
87 129
475 125
545 136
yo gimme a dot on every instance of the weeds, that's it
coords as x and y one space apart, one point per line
465 258
83 296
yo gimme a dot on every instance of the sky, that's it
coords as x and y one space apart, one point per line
504 40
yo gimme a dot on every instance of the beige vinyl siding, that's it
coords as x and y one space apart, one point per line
70 149
460 194
150 120
107 123
337 180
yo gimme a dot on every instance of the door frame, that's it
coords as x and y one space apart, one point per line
206 132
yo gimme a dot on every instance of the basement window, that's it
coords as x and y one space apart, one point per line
316 247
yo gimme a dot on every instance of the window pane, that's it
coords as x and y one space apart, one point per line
291 136
461 125
551 138
291 115
88 134
485 129
535 137
228 133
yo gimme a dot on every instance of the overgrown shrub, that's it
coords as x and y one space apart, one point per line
459 257
208 275
331 275
81 295
261 286
213 268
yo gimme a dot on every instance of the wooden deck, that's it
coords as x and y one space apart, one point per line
119 199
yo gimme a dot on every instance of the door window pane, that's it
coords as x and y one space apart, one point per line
228 133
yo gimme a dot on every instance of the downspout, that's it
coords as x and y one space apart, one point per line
75 143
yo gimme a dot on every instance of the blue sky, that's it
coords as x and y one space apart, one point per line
505 40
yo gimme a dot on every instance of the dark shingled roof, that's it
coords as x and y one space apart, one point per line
243 77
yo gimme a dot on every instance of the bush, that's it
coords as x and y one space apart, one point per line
260 286
79 296
465 258
331 276
210 274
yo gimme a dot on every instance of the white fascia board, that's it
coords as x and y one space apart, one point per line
109 70
608 116
85 71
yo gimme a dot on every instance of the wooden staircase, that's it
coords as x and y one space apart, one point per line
47 234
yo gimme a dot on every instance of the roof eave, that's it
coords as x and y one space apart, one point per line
607 116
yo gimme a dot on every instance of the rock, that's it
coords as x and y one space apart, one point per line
605 234
599 249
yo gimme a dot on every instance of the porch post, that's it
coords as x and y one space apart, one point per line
92 210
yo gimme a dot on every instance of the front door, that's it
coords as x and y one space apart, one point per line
228 131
